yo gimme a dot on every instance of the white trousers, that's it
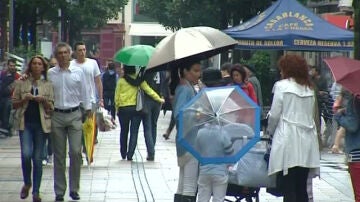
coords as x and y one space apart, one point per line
188 175
214 185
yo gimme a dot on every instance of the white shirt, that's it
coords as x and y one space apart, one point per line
91 70
69 87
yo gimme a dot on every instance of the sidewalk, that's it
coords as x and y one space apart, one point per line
111 179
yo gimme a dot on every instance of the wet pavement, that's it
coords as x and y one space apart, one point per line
111 179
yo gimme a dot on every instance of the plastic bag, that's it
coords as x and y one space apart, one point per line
251 170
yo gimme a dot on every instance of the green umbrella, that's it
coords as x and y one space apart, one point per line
136 55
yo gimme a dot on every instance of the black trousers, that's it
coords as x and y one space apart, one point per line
294 185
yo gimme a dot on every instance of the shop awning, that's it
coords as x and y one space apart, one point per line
148 29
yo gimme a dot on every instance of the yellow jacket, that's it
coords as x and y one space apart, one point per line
45 89
125 93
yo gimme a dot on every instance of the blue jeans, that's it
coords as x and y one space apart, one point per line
129 118
150 125
32 140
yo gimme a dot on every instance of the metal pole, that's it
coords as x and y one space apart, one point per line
59 25
11 26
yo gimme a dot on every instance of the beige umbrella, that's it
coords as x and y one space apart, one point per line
189 43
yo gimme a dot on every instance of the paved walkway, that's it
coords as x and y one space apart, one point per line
111 179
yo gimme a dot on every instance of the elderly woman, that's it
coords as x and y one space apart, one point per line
33 98
295 148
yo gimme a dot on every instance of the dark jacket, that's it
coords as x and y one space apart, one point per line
156 81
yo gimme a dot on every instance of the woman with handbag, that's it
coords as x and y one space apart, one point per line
33 98
126 94
295 149
349 118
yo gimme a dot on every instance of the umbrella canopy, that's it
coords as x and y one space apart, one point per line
288 25
346 72
219 125
136 55
193 42
89 137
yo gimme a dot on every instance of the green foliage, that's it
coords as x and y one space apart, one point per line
76 14
25 52
219 14
261 61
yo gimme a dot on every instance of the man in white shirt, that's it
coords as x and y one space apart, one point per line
91 70
69 90
92 73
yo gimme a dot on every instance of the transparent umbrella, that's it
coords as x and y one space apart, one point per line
219 125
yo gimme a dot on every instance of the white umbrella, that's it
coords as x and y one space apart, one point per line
193 42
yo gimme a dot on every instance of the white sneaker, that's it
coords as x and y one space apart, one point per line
44 162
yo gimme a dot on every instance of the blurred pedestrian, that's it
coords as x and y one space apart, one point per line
239 76
295 148
7 81
251 77
125 103
225 72
33 98
168 105
349 118
48 153
109 79
189 73
66 123
52 62
339 105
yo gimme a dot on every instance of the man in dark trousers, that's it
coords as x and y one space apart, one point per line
7 81
156 81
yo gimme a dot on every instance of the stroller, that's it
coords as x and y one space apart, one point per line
249 174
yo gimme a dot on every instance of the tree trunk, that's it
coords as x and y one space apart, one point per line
356 6
3 26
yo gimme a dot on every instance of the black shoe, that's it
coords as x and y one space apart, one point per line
129 159
150 158
166 136
74 195
59 198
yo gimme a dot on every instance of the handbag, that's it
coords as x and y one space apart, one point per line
140 99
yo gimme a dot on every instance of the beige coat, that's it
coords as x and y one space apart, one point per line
45 89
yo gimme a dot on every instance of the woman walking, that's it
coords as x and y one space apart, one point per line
295 148
125 103
33 98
